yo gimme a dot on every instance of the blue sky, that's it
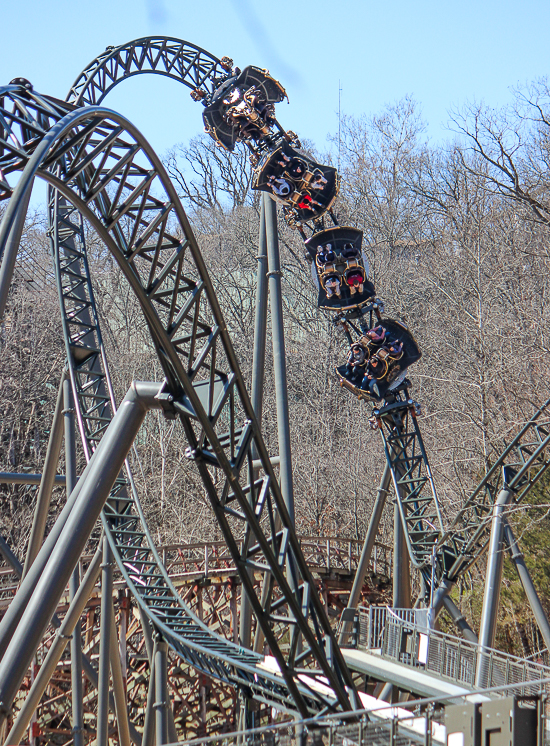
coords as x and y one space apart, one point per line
442 53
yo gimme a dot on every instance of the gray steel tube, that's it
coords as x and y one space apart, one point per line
56 650
444 588
401 564
260 320
91 675
10 558
279 355
9 256
527 582
10 477
48 479
119 690
97 481
370 538
76 641
493 577
161 693
17 607
459 619
89 670
148 738
147 634
102 736
441 600
258 370
401 570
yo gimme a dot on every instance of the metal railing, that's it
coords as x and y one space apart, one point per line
403 635
367 631
323 554
187 563
398 730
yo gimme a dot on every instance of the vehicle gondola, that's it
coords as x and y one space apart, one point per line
242 108
340 269
378 360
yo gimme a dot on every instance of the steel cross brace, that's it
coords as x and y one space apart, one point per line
87 153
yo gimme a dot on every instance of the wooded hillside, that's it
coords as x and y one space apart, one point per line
457 240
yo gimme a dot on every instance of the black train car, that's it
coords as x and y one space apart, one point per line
306 188
243 107
340 269
391 366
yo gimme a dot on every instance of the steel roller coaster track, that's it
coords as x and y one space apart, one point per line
100 169
405 452
519 467
412 479
174 58
105 172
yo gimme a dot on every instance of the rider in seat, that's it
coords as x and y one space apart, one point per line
332 285
350 251
375 371
355 279
325 254
357 359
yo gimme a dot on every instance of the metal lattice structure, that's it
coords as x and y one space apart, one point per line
412 480
101 171
101 165
173 58
519 467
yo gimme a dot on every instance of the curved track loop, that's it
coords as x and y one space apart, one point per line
104 170
163 55
519 467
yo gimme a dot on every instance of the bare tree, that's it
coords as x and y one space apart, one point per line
208 176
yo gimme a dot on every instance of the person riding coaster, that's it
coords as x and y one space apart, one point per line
376 363
242 108
337 251
313 186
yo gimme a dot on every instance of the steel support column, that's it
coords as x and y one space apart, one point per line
370 538
527 582
149 719
162 698
147 635
76 640
401 569
493 576
56 568
72 617
279 356
105 646
258 371
119 691
279 367
48 479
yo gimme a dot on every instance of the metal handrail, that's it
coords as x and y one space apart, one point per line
403 635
